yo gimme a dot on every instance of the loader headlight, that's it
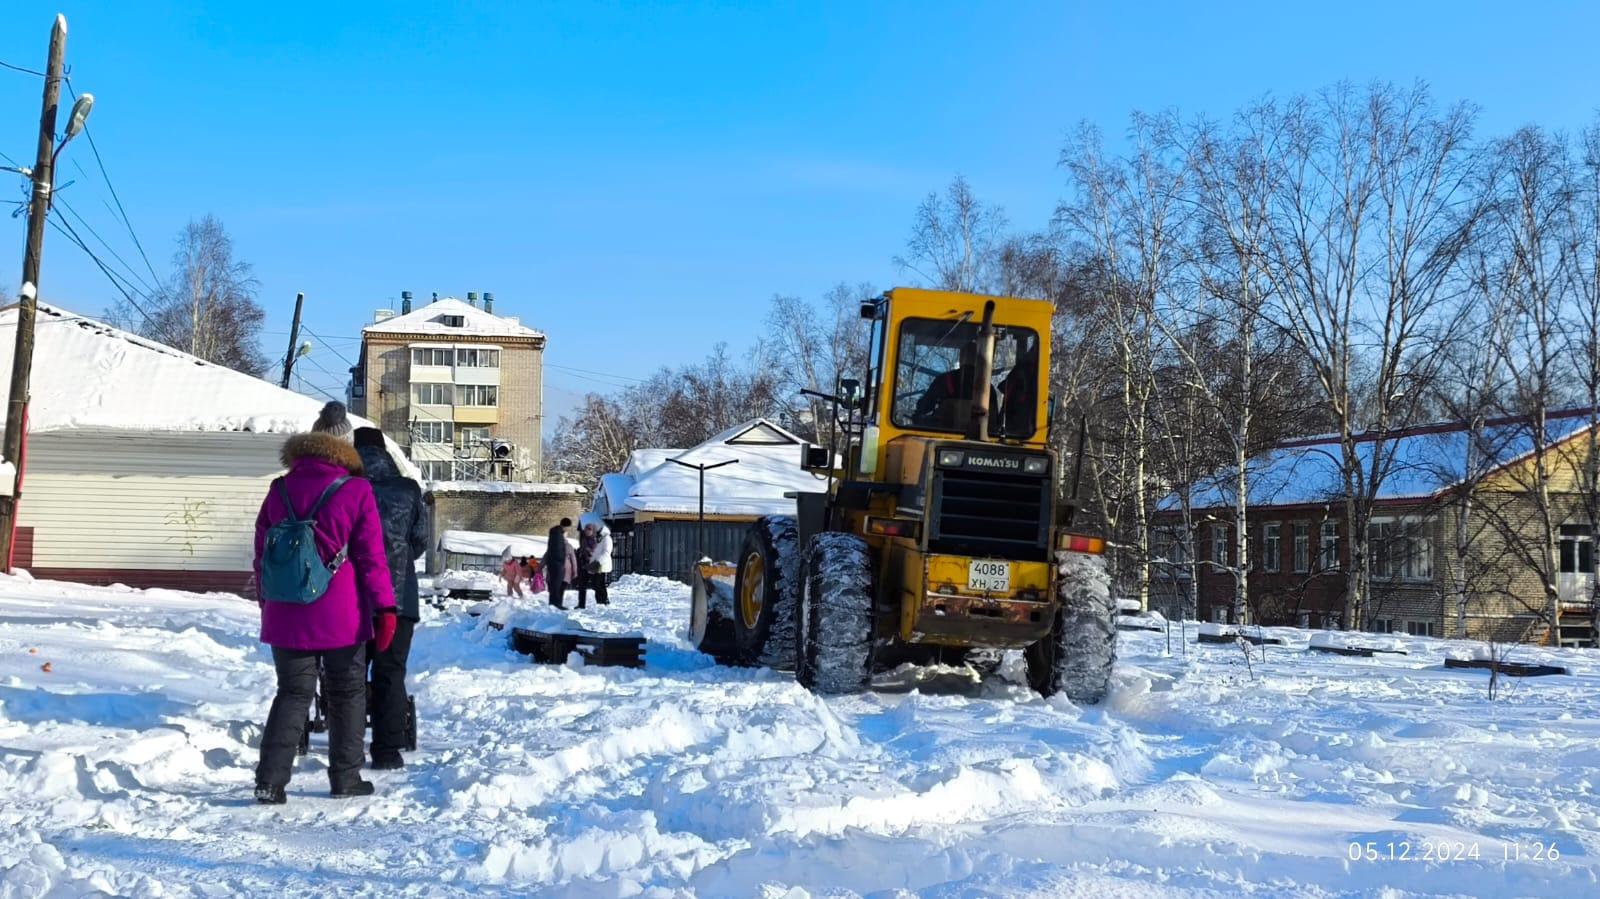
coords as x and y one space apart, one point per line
951 458
1036 464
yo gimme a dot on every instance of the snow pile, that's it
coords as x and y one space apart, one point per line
129 724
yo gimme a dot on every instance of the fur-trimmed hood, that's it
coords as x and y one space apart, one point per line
324 447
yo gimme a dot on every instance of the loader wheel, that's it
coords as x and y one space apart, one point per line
766 592
1077 656
711 620
835 646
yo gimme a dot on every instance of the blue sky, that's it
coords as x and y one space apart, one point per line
638 180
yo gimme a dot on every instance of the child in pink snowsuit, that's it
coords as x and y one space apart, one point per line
511 570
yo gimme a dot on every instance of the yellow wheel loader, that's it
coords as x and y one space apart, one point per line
945 525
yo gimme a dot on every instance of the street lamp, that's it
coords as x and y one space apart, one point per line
700 532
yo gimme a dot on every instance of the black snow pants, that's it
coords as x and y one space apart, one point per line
595 580
389 692
344 693
558 591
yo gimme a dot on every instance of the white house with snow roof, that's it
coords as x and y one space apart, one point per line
144 465
653 506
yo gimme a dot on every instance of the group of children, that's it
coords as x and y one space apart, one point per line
584 567
519 570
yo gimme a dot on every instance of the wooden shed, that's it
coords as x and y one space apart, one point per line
144 465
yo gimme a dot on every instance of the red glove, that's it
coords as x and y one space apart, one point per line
383 627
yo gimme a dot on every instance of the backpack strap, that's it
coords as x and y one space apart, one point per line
288 504
327 494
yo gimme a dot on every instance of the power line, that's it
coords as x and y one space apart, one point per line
66 229
598 374
118 200
316 336
148 290
23 69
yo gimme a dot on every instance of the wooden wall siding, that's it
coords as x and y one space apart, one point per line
156 502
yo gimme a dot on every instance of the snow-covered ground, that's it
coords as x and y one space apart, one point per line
126 768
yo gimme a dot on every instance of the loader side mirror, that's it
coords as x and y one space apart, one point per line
850 391
815 458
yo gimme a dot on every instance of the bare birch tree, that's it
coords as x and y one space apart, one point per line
955 239
1127 213
1371 209
208 307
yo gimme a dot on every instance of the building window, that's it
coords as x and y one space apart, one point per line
432 432
1382 626
1577 549
473 436
1271 547
1400 548
452 321
1380 548
431 394
1422 629
437 470
430 356
1330 546
477 358
1219 544
1302 547
477 395
1418 563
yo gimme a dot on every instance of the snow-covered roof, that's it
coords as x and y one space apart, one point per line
611 496
767 467
642 460
88 374
1419 463
505 487
482 543
429 320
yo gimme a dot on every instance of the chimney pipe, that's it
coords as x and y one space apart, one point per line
436 296
405 302
488 302
472 298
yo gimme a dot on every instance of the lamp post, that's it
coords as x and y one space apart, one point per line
700 531
42 176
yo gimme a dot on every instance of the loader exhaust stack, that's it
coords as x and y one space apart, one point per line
978 424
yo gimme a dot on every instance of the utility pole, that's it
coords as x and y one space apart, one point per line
294 336
700 530
28 297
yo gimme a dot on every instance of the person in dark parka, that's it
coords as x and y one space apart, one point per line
405 539
556 563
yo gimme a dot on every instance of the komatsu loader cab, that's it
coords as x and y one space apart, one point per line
944 523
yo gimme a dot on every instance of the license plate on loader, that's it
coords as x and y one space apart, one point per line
988 576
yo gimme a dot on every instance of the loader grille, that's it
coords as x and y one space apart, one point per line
981 513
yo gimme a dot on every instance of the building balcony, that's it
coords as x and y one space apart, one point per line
476 415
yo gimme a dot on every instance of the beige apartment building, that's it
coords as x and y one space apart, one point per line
459 387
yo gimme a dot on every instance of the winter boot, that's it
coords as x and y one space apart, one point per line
356 788
387 761
270 795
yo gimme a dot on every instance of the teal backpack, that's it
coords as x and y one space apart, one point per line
292 569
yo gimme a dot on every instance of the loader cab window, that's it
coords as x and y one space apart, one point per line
934 368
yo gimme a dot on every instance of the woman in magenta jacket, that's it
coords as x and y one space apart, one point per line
331 633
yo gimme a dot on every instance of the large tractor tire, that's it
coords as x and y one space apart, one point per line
1077 656
766 593
834 654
